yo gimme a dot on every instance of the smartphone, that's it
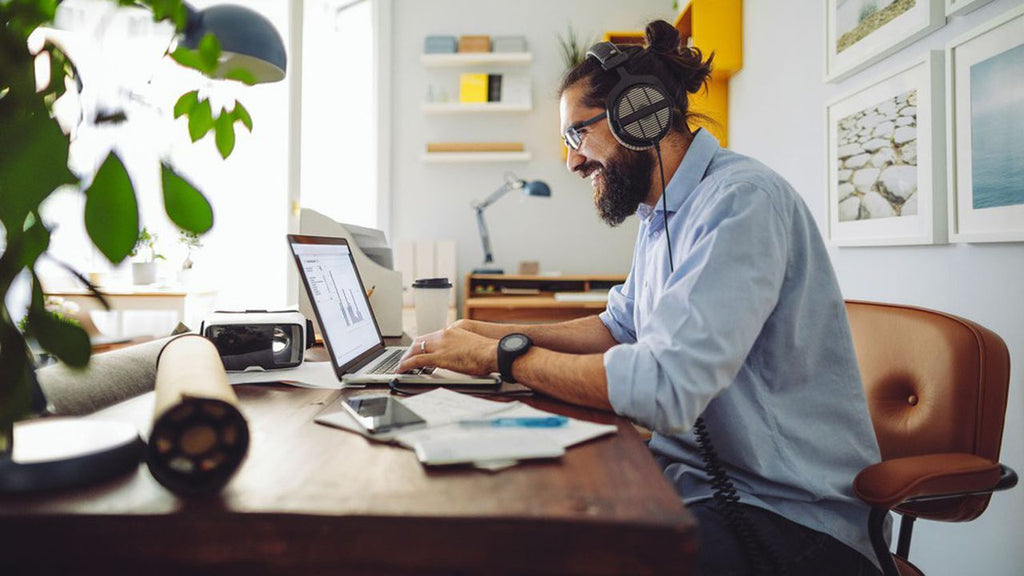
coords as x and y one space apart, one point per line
380 413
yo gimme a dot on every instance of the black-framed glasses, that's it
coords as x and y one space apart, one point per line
572 135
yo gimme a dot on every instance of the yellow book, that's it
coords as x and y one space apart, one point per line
472 88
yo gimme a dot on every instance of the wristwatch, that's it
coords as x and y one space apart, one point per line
510 347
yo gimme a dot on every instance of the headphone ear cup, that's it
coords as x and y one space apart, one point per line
639 114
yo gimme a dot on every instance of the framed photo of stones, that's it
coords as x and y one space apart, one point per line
963 6
886 168
861 32
985 83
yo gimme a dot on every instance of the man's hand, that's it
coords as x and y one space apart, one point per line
454 348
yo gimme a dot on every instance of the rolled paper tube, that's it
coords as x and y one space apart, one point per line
199 436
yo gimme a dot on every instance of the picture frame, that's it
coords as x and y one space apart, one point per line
885 154
985 115
859 33
959 7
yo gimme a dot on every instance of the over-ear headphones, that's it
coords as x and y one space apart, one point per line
639 107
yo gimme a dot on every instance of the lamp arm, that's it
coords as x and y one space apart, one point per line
485 238
505 188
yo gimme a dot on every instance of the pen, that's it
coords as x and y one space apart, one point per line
540 422
370 291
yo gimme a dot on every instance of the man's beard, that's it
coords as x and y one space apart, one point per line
624 183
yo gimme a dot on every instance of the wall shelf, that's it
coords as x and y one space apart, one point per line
461 157
476 58
473 108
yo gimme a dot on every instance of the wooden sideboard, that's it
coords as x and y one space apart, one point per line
535 299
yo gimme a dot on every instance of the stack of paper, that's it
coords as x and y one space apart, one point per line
445 441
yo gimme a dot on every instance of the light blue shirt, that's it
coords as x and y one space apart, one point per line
750 331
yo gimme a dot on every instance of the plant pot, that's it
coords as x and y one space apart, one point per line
144 273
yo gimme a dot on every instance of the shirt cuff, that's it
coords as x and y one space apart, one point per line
617 331
627 399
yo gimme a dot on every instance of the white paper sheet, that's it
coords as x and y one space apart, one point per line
305 375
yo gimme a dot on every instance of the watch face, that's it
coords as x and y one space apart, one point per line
513 342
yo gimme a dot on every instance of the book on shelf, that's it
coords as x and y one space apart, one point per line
508 291
472 88
494 87
475 147
591 296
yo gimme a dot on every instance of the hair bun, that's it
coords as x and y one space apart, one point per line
662 37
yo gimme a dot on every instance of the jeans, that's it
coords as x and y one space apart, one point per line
801 551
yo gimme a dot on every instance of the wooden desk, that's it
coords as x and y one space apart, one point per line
531 299
313 499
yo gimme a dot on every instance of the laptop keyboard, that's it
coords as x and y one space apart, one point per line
390 362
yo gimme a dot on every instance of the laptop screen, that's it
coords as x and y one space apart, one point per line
337 295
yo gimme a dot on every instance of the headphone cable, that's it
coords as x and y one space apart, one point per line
762 556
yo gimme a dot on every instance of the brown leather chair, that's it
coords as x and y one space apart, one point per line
936 388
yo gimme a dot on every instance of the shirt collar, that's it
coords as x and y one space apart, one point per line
691 171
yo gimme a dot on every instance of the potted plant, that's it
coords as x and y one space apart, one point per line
192 242
37 71
144 269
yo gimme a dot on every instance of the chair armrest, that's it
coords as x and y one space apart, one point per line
889 483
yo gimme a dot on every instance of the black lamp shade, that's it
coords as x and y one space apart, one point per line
247 40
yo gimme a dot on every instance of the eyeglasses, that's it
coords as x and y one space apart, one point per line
573 137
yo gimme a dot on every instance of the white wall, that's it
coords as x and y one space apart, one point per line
776 115
433 200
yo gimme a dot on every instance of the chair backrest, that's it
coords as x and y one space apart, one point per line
935 383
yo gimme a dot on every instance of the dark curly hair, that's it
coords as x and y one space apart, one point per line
681 69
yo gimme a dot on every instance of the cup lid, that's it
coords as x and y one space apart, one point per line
432 283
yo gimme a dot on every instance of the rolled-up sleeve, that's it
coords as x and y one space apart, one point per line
618 315
729 271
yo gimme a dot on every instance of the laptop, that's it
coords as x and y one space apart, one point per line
349 328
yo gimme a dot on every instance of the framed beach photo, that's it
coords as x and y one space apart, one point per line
861 32
885 151
963 6
985 83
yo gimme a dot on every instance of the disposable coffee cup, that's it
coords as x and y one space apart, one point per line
431 297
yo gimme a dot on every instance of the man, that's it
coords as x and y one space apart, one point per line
743 335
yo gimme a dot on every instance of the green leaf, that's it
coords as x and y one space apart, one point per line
209 51
242 75
36 240
111 211
242 114
33 163
188 58
225 133
186 206
200 120
186 103
66 340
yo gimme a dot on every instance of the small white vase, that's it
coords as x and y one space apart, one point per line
144 273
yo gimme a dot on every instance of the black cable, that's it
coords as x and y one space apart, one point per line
664 208
761 556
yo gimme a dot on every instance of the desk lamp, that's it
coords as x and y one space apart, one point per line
247 40
512 182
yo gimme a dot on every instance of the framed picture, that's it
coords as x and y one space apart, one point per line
963 6
860 32
886 168
985 83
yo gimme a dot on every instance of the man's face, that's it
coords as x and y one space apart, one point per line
621 178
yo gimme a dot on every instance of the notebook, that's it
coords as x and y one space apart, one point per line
350 331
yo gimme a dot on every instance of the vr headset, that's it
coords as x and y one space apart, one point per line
258 339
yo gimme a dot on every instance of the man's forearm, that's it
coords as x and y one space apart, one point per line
581 336
574 378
